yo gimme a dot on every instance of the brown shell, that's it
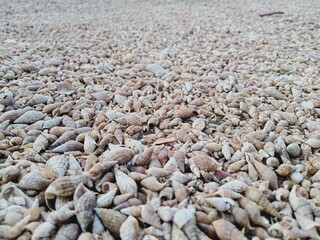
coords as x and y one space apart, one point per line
145 157
184 113
205 163
265 173
111 219
258 197
120 155
227 231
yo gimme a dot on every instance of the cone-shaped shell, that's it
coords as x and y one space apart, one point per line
258 197
227 231
152 184
265 173
205 163
111 219
69 147
120 155
129 230
125 183
144 158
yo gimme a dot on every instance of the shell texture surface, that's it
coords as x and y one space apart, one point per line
163 120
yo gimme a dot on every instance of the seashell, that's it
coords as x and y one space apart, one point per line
119 136
17 229
166 193
282 194
157 172
171 165
177 233
44 230
166 213
84 206
180 177
41 143
129 203
145 157
285 169
68 231
111 219
98 169
106 199
270 148
69 146
308 225
199 124
235 167
272 162
86 236
227 151
315 160
58 164
241 217
258 197
226 230
149 216
205 163
64 187
125 183
129 120
34 180
265 173
70 134
134 211
11 173
313 142
153 184
294 149
119 199
137 176
89 144
297 177
184 112
30 117
183 216
120 155
129 229
97 226
253 211
12 115
60 216
221 204
300 205
226 193
208 231
180 191
235 185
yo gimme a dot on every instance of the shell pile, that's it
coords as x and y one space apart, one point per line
159 120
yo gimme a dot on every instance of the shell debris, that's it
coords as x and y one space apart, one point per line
162 120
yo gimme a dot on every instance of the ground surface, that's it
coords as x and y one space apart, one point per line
247 87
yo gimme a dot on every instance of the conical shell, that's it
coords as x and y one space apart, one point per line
120 155
111 219
34 181
205 163
129 229
227 231
265 173
84 205
145 157
258 197
149 215
152 184
125 183
68 231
